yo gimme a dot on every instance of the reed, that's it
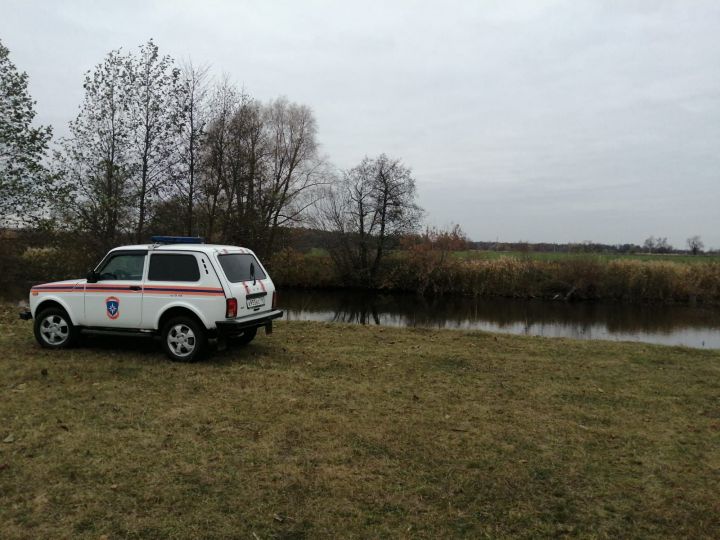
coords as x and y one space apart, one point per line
574 278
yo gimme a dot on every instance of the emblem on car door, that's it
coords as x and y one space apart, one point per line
112 305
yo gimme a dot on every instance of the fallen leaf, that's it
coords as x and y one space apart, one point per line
10 438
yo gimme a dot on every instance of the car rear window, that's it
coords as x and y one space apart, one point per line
168 267
239 266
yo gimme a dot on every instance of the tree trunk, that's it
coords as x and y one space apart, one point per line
191 184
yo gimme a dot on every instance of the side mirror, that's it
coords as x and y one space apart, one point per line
92 277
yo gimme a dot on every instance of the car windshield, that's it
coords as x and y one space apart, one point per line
240 267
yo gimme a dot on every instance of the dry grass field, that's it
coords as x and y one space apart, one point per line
332 431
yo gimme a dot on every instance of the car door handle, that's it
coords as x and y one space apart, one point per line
135 288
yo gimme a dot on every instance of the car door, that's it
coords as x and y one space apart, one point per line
185 279
248 281
115 300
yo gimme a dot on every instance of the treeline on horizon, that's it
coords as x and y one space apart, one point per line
595 247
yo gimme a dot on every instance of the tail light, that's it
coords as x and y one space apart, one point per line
275 300
231 308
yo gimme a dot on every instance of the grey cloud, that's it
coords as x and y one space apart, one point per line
544 121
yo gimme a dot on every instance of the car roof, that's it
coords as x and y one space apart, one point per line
205 248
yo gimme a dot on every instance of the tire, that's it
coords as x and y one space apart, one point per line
54 329
246 337
184 339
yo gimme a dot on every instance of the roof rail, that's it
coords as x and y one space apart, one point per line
177 240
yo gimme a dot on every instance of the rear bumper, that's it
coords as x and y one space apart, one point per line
238 326
26 315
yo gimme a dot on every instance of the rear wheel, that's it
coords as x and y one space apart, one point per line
54 329
246 337
184 339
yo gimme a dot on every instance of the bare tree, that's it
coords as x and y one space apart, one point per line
649 244
695 244
248 165
657 245
93 163
373 203
224 103
157 121
662 245
193 102
261 169
294 170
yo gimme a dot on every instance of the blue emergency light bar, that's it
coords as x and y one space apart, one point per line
177 240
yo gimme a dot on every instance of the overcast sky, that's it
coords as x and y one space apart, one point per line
541 120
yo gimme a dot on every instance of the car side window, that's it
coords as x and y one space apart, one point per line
167 267
123 267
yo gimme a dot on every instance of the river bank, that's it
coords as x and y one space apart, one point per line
355 431
572 277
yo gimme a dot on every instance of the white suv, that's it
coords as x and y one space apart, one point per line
180 288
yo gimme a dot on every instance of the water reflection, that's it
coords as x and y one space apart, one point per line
670 325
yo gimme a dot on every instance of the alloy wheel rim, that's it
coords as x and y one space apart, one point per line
54 330
181 340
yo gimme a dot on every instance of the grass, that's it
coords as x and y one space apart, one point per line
329 431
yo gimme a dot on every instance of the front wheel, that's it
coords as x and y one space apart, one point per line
54 329
184 339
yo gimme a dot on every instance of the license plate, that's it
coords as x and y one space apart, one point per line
255 302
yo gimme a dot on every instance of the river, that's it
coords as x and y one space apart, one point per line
664 324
